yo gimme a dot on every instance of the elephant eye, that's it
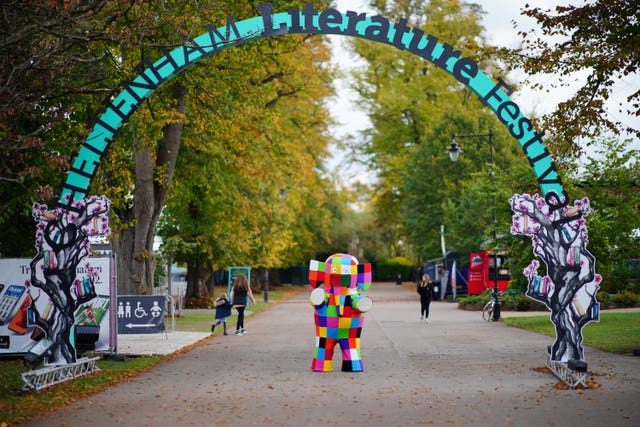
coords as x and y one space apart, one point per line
334 269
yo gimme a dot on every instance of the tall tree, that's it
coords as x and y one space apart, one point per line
600 39
66 57
415 107
151 139
248 174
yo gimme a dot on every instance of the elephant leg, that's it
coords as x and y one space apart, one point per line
323 355
350 346
326 340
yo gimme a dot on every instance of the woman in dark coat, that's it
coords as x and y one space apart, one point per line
425 289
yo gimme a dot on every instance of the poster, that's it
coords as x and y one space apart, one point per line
18 332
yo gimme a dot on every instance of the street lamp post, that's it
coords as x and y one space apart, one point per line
454 153
266 282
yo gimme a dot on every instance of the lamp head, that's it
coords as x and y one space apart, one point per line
454 151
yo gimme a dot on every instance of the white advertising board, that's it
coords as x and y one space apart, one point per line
18 334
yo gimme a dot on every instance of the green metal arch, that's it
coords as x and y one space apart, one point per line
118 108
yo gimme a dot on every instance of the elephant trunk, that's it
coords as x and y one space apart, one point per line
340 304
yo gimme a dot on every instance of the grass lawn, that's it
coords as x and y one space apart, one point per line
616 332
16 406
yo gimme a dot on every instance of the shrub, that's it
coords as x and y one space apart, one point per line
475 299
625 299
524 303
388 269
473 302
618 300
512 300
201 302
604 298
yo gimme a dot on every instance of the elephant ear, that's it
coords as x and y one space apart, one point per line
364 276
316 273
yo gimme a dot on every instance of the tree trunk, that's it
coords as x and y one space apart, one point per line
197 275
123 247
134 246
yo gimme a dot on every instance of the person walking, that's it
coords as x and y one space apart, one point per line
425 289
223 310
239 294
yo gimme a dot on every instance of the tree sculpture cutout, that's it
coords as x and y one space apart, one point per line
62 242
559 238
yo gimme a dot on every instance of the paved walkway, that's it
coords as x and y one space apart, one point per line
457 370
158 344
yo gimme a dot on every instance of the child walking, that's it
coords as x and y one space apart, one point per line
223 310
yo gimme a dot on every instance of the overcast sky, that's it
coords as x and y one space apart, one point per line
500 31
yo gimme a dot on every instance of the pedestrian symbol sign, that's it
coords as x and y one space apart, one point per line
140 314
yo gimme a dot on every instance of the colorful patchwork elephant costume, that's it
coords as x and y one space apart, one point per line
339 307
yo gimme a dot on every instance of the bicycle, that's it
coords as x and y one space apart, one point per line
487 310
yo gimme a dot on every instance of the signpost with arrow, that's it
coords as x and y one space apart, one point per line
140 314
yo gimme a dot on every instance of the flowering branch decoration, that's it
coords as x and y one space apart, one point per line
559 237
62 242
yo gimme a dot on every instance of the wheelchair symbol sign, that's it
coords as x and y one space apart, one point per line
140 314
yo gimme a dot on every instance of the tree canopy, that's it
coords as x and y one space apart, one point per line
596 44
248 189
52 58
248 122
415 108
